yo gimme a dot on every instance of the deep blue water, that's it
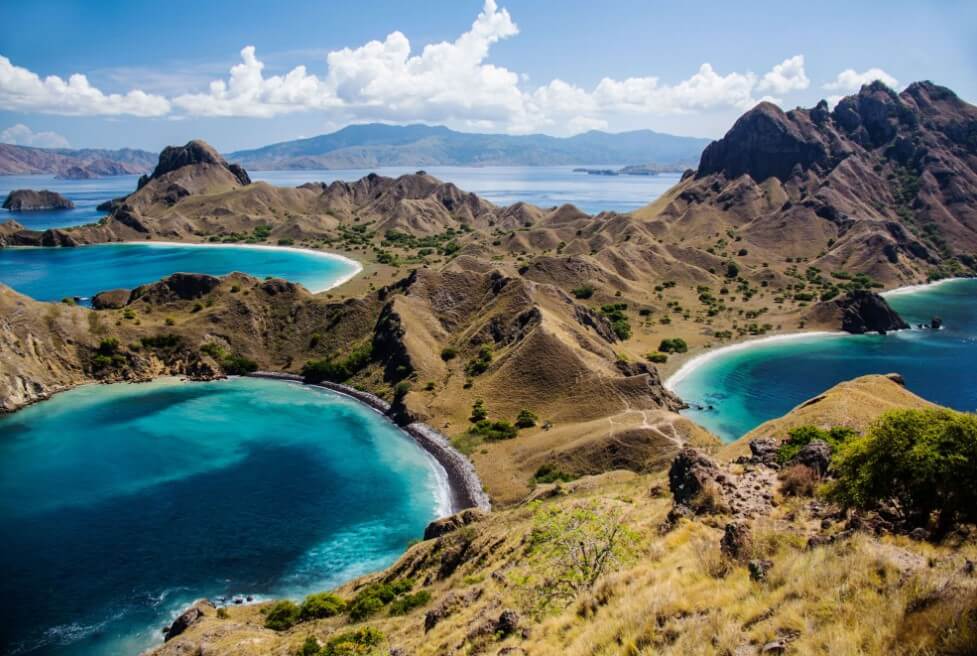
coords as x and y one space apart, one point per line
49 274
120 504
540 185
749 385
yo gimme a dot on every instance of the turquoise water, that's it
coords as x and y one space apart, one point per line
49 274
747 386
85 194
120 504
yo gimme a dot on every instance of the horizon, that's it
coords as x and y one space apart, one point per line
244 79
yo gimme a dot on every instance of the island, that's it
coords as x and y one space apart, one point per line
29 200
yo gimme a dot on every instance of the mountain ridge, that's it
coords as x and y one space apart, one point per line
74 163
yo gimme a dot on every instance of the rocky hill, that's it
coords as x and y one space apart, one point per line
29 200
373 145
73 164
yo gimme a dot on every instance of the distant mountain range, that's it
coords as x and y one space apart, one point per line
374 145
74 164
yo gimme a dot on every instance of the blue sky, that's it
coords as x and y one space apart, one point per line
157 73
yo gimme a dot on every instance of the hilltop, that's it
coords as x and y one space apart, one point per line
376 144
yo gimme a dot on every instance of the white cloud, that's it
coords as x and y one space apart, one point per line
21 135
451 82
24 91
849 80
785 77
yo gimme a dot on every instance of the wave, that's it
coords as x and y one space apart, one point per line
913 289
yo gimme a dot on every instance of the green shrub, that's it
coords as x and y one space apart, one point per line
375 596
322 604
478 411
924 459
481 362
657 358
449 353
362 607
526 419
583 291
673 345
364 641
164 341
551 474
615 313
282 615
108 346
801 436
409 602
309 648
338 371
238 365
494 430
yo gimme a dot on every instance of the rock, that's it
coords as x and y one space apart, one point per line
189 617
775 647
816 454
864 311
57 237
184 286
968 567
446 525
693 479
508 622
111 300
194 152
759 568
28 200
737 541
936 323
763 450
919 534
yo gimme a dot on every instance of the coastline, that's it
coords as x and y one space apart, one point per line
701 358
464 486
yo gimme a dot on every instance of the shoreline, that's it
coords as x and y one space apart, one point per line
464 485
699 359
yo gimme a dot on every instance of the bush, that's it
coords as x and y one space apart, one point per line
282 615
494 430
409 602
673 345
657 358
362 608
551 474
164 341
359 642
478 411
925 459
310 647
799 437
798 481
108 346
525 419
449 353
338 371
616 314
375 596
583 291
322 604
480 363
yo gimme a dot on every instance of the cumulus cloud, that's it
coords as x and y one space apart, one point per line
22 90
785 77
450 82
21 135
850 80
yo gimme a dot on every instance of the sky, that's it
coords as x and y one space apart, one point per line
244 73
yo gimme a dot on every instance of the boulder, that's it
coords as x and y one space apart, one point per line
936 323
763 451
816 454
179 286
29 200
508 622
446 525
737 541
187 619
759 568
864 311
692 476
111 300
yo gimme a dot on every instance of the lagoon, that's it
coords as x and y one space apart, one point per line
121 504
752 383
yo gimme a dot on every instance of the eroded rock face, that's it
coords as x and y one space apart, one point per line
446 525
183 286
189 617
29 200
863 311
194 152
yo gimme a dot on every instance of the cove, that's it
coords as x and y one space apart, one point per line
121 504
50 274
752 383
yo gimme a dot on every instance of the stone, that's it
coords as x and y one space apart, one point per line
774 647
763 450
919 534
113 299
936 323
508 622
187 619
816 454
759 568
864 311
737 542
691 476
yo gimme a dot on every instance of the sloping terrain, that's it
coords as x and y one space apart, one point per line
64 162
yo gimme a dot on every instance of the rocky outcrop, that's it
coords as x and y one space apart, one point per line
193 153
29 200
187 619
446 525
179 286
864 311
695 479
816 454
111 300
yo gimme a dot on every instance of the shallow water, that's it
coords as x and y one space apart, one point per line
120 504
49 274
747 386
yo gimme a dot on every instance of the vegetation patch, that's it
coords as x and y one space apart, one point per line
338 370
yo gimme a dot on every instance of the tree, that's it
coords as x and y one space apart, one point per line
478 411
925 459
